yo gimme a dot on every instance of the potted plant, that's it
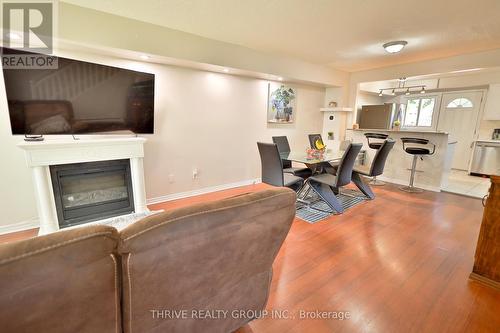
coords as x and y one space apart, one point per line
396 125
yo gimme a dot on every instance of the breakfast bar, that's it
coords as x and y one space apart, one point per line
431 172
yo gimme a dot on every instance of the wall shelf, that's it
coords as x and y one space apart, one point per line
336 109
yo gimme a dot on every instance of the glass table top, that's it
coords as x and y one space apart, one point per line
301 157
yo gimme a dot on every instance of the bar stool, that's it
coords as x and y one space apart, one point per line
419 148
377 140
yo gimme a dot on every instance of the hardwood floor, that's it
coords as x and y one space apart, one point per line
399 263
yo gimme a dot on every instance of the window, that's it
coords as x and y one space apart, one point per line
460 103
419 112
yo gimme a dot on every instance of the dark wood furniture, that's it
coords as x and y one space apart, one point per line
487 259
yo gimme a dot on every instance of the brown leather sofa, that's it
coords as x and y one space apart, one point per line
203 259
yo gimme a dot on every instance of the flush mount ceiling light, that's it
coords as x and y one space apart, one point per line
144 57
225 70
395 47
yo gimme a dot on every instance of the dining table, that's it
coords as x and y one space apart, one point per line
325 192
302 157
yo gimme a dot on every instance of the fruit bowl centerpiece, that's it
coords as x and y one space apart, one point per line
318 152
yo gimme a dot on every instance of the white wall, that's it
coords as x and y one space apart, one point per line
203 120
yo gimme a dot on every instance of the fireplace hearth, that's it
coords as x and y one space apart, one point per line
91 191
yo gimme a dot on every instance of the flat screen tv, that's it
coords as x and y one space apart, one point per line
78 97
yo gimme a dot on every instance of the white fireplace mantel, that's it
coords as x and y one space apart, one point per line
41 155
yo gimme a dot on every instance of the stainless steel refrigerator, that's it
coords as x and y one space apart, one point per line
380 116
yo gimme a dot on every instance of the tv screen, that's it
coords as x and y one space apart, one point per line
78 97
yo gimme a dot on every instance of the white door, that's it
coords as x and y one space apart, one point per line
458 116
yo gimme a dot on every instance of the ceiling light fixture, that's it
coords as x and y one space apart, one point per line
144 57
225 70
14 36
280 79
395 47
402 87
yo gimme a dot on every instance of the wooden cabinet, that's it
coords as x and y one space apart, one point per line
487 259
492 106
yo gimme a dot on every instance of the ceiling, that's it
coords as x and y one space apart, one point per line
344 34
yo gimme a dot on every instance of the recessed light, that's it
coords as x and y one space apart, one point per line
12 35
225 70
144 57
280 79
395 47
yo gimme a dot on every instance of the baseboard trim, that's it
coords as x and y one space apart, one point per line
484 280
405 183
205 190
20 226
34 223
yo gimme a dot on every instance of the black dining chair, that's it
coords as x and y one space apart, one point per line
374 170
375 141
272 168
327 185
323 166
284 147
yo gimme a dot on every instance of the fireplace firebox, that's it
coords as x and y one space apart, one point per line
86 192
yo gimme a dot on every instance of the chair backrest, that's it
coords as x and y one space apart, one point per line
271 165
344 171
381 136
313 138
209 256
283 147
378 164
418 141
282 143
67 281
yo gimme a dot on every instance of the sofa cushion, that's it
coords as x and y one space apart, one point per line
209 256
67 281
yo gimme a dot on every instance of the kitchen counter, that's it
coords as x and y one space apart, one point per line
395 131
488 141
431 173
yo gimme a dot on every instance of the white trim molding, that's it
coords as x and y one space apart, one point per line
20 226
205 190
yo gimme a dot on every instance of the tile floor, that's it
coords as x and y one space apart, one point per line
461 183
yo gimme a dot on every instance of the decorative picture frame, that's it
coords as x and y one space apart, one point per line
281 104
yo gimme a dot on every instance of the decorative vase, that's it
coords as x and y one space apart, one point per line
279 114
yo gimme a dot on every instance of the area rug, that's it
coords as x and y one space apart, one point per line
348 198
